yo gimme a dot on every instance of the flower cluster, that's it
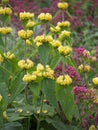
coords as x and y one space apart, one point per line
72 73
25 64
42 71
26 15
28 42
56 43
92 127
64 50
64 80
25 34
82 93
45 17
64 34
95 80
39 40
55 29
30 24
9 55
5 11
6 55
63 24
62 5
80 54
84 68
5 30
29 77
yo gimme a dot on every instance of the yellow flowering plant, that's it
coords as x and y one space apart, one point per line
31 87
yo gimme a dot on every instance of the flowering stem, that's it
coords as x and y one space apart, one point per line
25 51
62 15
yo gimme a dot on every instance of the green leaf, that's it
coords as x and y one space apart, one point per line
44 53
35 88
66 100
1 117
60 125
5 19
12 126
57 124
4 93
1 41
48 88
14 115
55 61
17 85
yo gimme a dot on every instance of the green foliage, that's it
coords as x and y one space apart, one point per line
44 53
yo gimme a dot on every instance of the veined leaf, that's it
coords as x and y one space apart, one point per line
44 53
48 88
12 126
66 100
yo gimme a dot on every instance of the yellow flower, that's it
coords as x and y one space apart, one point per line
64 80
29 33
5 115
56 43
92 127
42 71
87 68
20 110
29 77
55 29
5 11
25 34
41 111
28 42
39 40
9 55
28 112
40 67
26 15
30 24
5 30
64 50
93 59
80 67
8 11
86 53
63 24
45 17
62 5
1 58
95 100
48 17
95 80
64 34
25 64
0 97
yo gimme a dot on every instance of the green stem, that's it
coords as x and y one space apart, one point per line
62 15
28 123
40 114
5 38
25 51
26 94
6 70
38 124
45 26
